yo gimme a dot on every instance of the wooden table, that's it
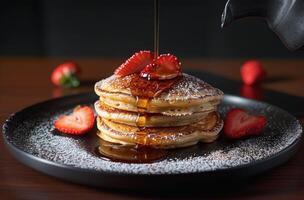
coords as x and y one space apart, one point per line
25 81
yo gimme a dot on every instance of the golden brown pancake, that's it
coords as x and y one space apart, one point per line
188 95
147 119
206 130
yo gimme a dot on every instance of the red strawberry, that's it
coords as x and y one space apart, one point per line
79 122
252 72
66 75
238 124
166 66
135 63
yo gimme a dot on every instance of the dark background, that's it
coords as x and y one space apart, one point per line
114 28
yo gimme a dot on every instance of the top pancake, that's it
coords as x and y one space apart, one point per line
187 95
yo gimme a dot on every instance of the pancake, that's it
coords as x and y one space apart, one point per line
147 119
188 95
161 114
206 130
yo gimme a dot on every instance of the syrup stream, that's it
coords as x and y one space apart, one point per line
156 28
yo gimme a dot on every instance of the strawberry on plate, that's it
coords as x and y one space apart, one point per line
252 72
135 63
66 75
79 122
166 66
239 124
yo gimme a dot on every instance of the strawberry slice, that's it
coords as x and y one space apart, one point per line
135 63
79 122
238 124
252 72
166 66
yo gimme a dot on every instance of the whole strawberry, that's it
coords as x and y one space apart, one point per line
252 72
66 75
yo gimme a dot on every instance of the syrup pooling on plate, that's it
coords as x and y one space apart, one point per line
128 153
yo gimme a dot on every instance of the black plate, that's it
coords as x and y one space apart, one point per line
31 138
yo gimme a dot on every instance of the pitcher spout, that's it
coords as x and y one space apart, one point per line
237 9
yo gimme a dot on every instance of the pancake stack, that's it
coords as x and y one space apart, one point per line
177 116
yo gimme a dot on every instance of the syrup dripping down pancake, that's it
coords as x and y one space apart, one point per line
206 130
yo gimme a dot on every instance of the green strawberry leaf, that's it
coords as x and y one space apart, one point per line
69 81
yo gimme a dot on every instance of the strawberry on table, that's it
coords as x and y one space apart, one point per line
252 72
66 75
166 66
79 122
135 63
239 124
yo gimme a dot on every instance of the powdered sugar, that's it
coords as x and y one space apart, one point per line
190 87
